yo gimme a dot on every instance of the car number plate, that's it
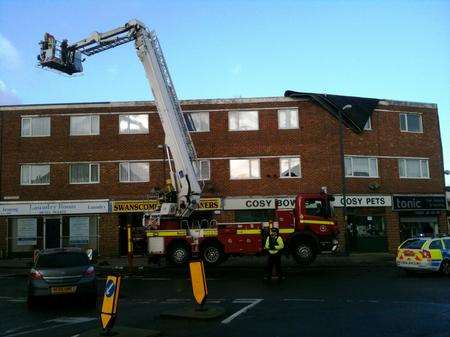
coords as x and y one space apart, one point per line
63 290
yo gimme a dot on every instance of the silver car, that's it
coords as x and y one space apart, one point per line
62 271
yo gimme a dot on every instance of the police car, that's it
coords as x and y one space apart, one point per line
425 253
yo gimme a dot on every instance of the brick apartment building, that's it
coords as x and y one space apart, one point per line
71 173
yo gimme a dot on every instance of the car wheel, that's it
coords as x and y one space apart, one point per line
303 252
179 255
445 268
212 254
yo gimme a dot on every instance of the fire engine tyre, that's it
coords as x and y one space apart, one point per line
212 254
179 254
303 252
445 268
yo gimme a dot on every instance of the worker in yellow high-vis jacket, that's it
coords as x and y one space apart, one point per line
274 244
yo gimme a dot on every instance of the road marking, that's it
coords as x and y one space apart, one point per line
304 300
72 320
252 302
154 279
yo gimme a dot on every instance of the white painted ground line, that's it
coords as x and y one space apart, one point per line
252 302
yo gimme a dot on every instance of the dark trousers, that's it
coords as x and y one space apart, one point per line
274 260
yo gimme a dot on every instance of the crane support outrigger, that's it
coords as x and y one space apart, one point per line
67 58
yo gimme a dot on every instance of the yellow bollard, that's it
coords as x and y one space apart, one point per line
198 280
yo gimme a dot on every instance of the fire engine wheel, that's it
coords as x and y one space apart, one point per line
212 254
179 255
303 253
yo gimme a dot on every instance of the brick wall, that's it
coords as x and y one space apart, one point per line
109 234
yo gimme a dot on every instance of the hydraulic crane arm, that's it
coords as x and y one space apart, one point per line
67 59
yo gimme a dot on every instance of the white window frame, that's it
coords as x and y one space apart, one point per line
90 174
291 127
199 165
299 167
128 132
406 121
368 163
91 133
420 167
201 113
30 118
132 181
368 125
29 175
238 113
249 169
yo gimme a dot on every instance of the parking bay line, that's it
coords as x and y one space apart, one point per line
64 321
252 302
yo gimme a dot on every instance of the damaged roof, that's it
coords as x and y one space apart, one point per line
354 118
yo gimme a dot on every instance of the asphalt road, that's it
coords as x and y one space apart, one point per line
316 301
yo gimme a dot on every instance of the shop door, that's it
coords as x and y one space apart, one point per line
367 233
53 233
137 232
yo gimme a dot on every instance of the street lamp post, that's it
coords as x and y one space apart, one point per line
344 187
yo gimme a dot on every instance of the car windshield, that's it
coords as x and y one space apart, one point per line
62 260
413 244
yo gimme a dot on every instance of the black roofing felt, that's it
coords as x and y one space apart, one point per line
355 118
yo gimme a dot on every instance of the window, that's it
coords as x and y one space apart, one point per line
133 123
84 173
35 175
413 244
203 169
290 168
413 168
436 244
447 243
288 119
243 120
201 121
35 127
244 169
411 122
84 125
361 167
368 125
314 207
134 172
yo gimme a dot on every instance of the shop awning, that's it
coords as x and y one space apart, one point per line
355 118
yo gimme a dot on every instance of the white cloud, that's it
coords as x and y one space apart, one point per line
9 56
8 96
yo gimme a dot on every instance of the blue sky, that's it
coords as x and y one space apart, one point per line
385 49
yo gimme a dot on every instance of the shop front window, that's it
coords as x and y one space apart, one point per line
24 235
80 231
367 233
411 227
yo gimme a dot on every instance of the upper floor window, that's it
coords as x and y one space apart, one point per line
244 169
133 123
413 168
84 125
35 127
290 168
203 169
368 125
201 121
288 119
361 167
35 174
411 122
243 120
134 172
84 173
